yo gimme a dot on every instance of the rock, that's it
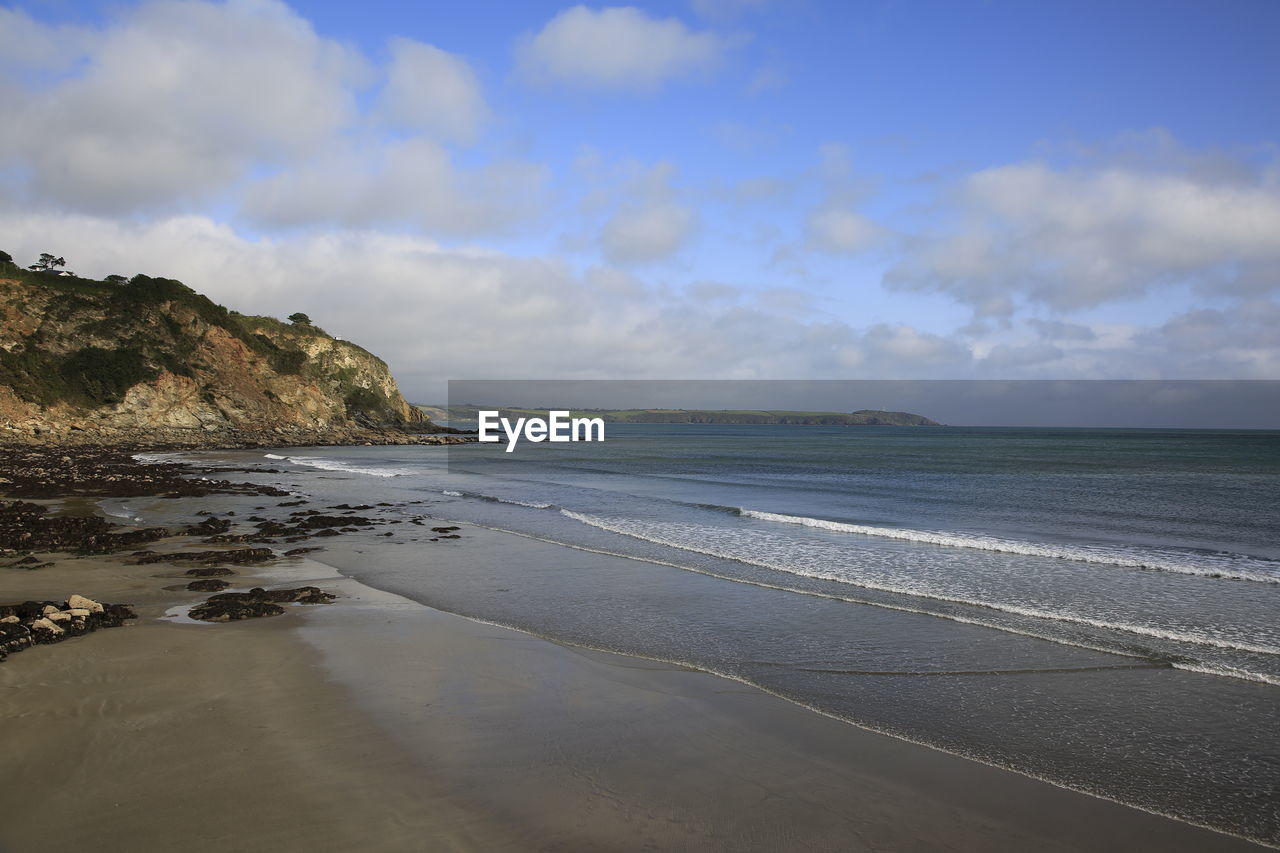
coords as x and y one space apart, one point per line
209 527
239 555
298 552
313 522
208 585
46 627
28 527
302 595
211 572
115 615
13 638
230 611
79 601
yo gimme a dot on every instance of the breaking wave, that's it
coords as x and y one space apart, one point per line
1215 565
705 544
477 496
343 467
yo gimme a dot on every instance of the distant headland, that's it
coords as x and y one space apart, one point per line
863 417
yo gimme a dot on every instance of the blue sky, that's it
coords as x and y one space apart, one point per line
715 188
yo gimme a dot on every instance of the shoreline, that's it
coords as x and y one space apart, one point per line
1010 777
527 736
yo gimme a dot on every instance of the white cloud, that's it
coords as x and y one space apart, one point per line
619 48
835 224
428 310
839 229
639 233
411 181
177 99
181 104
648 222
1075 238
28 45
1237 341
432 91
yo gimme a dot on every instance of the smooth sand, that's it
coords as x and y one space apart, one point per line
377 724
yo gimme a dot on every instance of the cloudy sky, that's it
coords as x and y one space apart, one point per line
695 189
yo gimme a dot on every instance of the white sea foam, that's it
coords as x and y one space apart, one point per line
154 458
706 545
476 495
1207 565
343 467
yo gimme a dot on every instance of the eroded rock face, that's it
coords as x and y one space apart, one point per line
239 374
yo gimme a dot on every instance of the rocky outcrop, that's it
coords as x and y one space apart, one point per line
150 361
239 555
257 602
28 527
38 622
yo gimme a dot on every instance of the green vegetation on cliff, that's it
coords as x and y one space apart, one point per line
69 341
96 376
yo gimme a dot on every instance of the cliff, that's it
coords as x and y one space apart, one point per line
151 361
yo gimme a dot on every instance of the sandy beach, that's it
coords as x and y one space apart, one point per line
377 723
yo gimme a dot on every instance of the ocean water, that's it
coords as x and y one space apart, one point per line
1099 609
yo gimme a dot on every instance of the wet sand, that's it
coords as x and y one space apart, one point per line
378 724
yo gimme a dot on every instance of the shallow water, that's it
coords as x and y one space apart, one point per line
1099 609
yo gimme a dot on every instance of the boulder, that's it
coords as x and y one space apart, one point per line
80 602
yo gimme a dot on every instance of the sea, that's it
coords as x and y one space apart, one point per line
1099 609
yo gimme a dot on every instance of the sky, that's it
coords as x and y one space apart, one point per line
710 189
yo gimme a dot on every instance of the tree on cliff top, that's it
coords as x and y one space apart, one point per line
300 319
48 263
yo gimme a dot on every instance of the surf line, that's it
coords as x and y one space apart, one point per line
1153 665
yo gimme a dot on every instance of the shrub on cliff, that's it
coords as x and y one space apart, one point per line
369 405
100 376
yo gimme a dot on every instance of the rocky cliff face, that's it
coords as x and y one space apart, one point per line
151 360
